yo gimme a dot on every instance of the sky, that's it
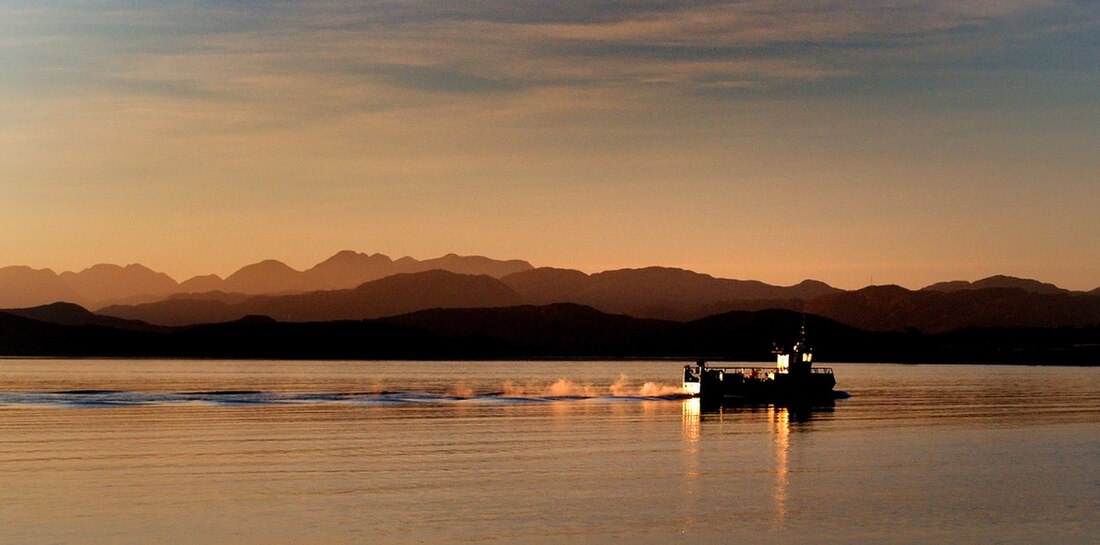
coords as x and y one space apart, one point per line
858 142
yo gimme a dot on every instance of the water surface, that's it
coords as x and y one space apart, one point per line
176 451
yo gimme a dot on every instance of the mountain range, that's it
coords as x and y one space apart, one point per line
530 332
105 284
357 286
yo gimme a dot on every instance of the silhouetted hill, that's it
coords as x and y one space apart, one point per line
472 265
76 315
228 298
395 294
893 308
653 292
342 287
21 336
201 284
546 285
177 311
267 276
388 296
661 293
752 336
557 331
249 337
577 331
998 281
542 331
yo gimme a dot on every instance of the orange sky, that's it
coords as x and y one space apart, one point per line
907 144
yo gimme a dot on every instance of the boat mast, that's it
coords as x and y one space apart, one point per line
802 353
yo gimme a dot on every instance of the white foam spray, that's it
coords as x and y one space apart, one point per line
563 387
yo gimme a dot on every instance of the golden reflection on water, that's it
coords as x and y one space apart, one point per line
781 430
779 422
691 416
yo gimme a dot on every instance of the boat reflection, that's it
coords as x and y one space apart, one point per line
691 416
781 421
690 428
781 430
799 412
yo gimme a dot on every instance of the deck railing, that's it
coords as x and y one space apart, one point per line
759 370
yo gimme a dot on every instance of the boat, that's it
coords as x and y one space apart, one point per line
793 380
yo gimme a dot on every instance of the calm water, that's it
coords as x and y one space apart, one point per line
151 451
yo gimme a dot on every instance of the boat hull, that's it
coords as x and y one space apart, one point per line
720 385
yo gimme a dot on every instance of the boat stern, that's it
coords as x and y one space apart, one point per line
692 380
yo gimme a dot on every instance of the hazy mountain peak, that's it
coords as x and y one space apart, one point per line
347 269
474 265
270 263
1026 284
267 266
106 282
809 289
267 276
883 288
415 278
23 286
996 281
353 257
100 268
23 270
653 274
111 268
200 284
658 269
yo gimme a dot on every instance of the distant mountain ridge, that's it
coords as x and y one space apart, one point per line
105 284
355 286
22 286
662 293
69 314
893 308
652 292
348 269
396 294
999 281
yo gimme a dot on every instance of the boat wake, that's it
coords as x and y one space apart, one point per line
115 398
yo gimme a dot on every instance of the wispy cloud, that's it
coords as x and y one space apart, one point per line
214 49
683 121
